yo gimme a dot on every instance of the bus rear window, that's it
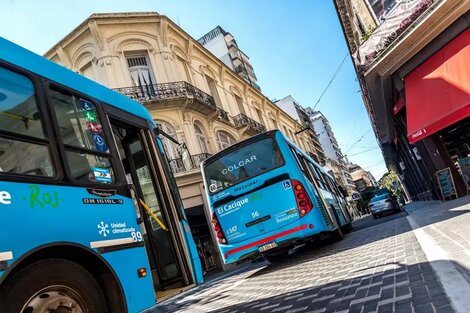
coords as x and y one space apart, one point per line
242 164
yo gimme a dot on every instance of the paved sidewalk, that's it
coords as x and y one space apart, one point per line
378 269
443 231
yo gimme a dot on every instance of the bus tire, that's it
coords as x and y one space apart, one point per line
337 234
56 283
347 228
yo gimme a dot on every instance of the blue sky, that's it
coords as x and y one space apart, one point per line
294 46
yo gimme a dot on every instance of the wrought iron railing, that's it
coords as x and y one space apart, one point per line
223 115
177 165
198 158
242 120
172 90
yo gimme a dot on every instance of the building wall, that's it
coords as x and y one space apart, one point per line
362 178
334 157
223 45
287 105
98 49
326 138
218 47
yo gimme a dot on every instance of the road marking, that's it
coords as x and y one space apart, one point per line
362 300
402 283
110 242
455 285
395 299
297 310
6 256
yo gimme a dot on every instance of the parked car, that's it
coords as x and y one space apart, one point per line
383 203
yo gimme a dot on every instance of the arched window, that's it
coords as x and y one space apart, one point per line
224 140
201 138
169 146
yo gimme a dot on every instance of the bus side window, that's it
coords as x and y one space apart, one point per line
304 166
300 164
82 135
317 177
24 147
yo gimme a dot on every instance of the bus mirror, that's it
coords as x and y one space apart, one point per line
185 156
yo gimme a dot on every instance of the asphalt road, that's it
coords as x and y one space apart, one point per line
368 221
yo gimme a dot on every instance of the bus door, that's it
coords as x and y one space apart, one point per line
169 265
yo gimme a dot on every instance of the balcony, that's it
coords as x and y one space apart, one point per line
223 116
252 127
171 94
177 166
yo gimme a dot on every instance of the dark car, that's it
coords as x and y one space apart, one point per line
383 203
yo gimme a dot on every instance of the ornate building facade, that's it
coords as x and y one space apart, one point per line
193 96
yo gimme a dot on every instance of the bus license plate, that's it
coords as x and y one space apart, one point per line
267 247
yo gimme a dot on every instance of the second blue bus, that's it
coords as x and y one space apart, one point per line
266 196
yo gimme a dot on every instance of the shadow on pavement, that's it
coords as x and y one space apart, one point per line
404 288
321 249
359 238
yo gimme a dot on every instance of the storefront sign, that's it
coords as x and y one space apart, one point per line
465 168
446 183
396 20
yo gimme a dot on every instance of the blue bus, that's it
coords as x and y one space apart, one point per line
90 216
266 196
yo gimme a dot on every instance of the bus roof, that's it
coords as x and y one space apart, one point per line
269 133
235 146
39 65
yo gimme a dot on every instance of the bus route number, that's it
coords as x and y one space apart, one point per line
136 236
232 230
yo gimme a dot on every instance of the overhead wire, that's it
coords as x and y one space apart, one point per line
357 141
373 165
331 80
350 155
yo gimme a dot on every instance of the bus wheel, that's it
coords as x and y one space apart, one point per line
53 285
347 228
337 234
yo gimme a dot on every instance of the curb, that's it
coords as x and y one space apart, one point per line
455 285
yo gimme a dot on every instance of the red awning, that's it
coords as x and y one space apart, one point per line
438 91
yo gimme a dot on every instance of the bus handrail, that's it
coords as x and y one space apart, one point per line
154 217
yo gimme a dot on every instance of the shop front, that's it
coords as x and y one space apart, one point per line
432 121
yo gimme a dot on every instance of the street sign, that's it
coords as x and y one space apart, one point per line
465 169
446 183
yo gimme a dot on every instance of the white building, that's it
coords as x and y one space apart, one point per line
335 160
297 112
223 46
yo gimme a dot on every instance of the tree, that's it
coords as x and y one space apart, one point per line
391 181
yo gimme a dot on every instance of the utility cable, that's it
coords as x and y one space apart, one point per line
357 141
373 165
331 80
350 155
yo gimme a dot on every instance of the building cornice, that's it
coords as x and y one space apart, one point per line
83 26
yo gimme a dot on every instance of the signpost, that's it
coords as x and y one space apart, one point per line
446 183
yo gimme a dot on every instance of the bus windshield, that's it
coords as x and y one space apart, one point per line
243 163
